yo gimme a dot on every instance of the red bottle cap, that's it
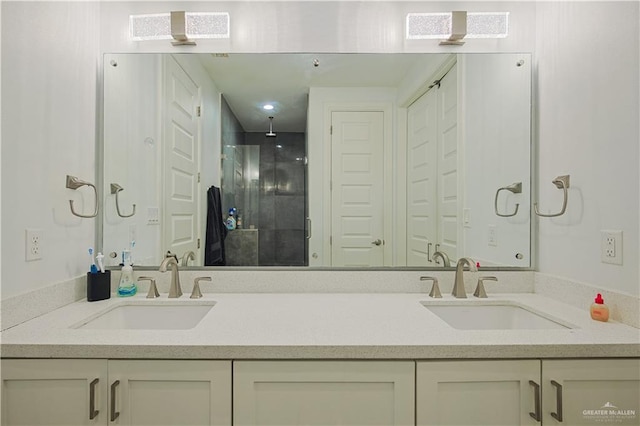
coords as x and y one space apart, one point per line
477 264
599 300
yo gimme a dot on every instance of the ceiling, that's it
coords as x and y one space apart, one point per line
248 81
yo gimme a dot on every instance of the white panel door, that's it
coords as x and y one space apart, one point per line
287 393
588 392
433 173
448 165
54 392
477 393
171 393
181 161
421 179
357 195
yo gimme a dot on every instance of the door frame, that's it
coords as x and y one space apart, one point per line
389 156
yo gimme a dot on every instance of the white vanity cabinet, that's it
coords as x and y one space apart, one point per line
477 393
54 392
127 392
587 392
287 393
73 392
159 392
528 392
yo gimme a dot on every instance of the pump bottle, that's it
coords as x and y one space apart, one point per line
599 311
127 286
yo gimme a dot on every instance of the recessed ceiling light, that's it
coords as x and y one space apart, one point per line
267 107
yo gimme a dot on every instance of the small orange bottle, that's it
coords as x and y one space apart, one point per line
599 311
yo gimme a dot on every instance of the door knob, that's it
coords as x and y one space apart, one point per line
377 242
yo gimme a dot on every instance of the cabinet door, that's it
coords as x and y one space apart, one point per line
54 392
324 393
170 392
477 392
587 392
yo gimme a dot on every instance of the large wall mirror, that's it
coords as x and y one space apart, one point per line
369 160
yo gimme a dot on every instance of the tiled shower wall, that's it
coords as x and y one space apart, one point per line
282 200
282 239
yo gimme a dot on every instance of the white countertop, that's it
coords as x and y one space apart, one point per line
320 326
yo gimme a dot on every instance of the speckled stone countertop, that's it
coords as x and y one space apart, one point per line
320 326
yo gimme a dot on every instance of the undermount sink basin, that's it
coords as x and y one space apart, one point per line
147 316
491 317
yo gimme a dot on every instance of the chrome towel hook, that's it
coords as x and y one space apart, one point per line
561 182
75 183
115 188
515 188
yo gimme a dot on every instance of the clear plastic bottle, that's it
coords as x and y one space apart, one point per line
230 223
127 286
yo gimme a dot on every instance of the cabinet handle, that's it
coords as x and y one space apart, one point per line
536 392
558 414
92 400
429 252
114 414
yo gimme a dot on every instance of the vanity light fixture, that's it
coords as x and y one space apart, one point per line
452 27
182 27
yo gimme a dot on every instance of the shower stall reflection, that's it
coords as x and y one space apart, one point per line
264 179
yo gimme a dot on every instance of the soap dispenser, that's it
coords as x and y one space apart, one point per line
127 286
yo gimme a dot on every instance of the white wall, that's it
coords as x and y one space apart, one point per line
588 91
133 137
49 65
587 61
317 26
496 125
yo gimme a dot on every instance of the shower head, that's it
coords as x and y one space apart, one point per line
270 134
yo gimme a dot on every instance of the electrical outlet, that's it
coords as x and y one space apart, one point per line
33 244
493 236
611 247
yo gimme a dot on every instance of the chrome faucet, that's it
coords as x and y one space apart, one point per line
442 255
185 258
175 290
458 286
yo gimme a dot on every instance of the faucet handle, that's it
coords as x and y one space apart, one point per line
435 289
480 292
153 290
196 293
